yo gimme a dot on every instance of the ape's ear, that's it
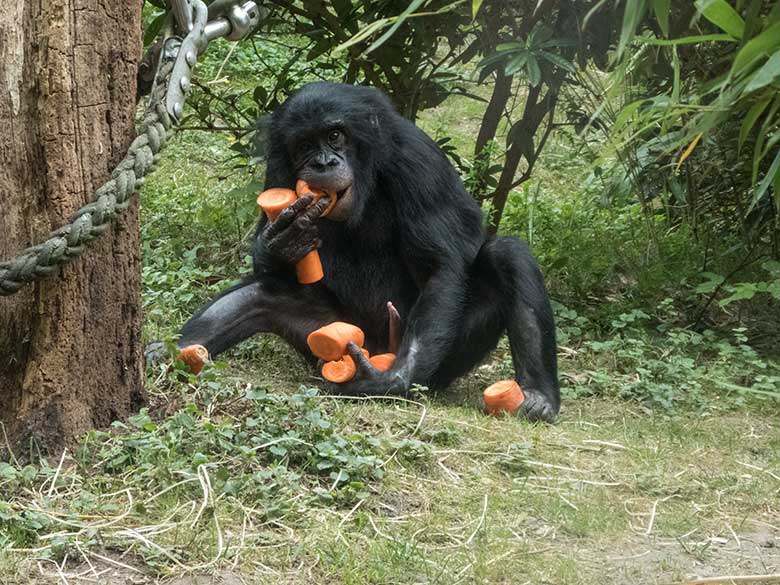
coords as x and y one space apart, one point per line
259 143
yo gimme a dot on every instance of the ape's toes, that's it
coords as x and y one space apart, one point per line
538 407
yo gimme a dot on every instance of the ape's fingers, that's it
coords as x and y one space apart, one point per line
292 245
289 213
317 209
363 366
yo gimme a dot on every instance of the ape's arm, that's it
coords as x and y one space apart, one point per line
432 327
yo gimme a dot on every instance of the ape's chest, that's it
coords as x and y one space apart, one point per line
364 276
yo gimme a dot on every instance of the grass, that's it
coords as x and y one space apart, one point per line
608 494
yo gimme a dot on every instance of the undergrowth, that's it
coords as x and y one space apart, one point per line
170 484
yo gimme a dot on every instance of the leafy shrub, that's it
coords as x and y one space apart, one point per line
665 366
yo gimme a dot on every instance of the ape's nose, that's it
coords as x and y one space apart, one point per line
325 162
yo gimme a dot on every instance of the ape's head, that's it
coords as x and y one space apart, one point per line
332 136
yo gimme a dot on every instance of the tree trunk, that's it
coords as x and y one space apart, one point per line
70 346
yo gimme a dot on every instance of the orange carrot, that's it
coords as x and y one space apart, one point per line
504 396
273 201
330 342
383 361
194 356
302 188
342 370
339 371
309 268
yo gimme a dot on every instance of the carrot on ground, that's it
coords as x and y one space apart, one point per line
505 396
195 356
383 361
330 342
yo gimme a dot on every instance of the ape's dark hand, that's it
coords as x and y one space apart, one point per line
293 234
369 381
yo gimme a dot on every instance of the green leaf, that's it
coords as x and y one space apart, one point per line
743 290
750 119
7 471
758 148
626 114
634 11
516 63
711 284
534 71
475 5
691 40
661 9
771 176
559 61
722 14
492 60
776 187
757 47
768 73
490 64
513 46
413 5
591 12
154 27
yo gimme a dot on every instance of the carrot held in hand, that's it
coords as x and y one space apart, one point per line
274 201
339 371
505 396
342 370
302 188
330 342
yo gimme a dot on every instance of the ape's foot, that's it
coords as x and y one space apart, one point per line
537 406
155 353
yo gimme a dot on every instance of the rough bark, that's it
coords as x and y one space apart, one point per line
70 347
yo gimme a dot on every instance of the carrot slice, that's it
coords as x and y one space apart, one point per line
195 356
504 396
302 188
330 342
339 371
383 361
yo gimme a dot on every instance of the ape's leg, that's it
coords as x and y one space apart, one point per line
268 305
507 293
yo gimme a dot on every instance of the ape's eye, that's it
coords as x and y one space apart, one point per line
335 137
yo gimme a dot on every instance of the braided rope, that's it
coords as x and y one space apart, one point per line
89 222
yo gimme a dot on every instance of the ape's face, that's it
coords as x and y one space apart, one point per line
334 137
321 157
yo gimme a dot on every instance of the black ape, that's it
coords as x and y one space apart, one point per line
403 230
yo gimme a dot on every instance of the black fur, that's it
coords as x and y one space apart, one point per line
413 236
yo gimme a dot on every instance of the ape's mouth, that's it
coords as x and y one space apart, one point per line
337 211
341 193
340 210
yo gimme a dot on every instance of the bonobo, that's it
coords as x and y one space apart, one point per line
404 250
